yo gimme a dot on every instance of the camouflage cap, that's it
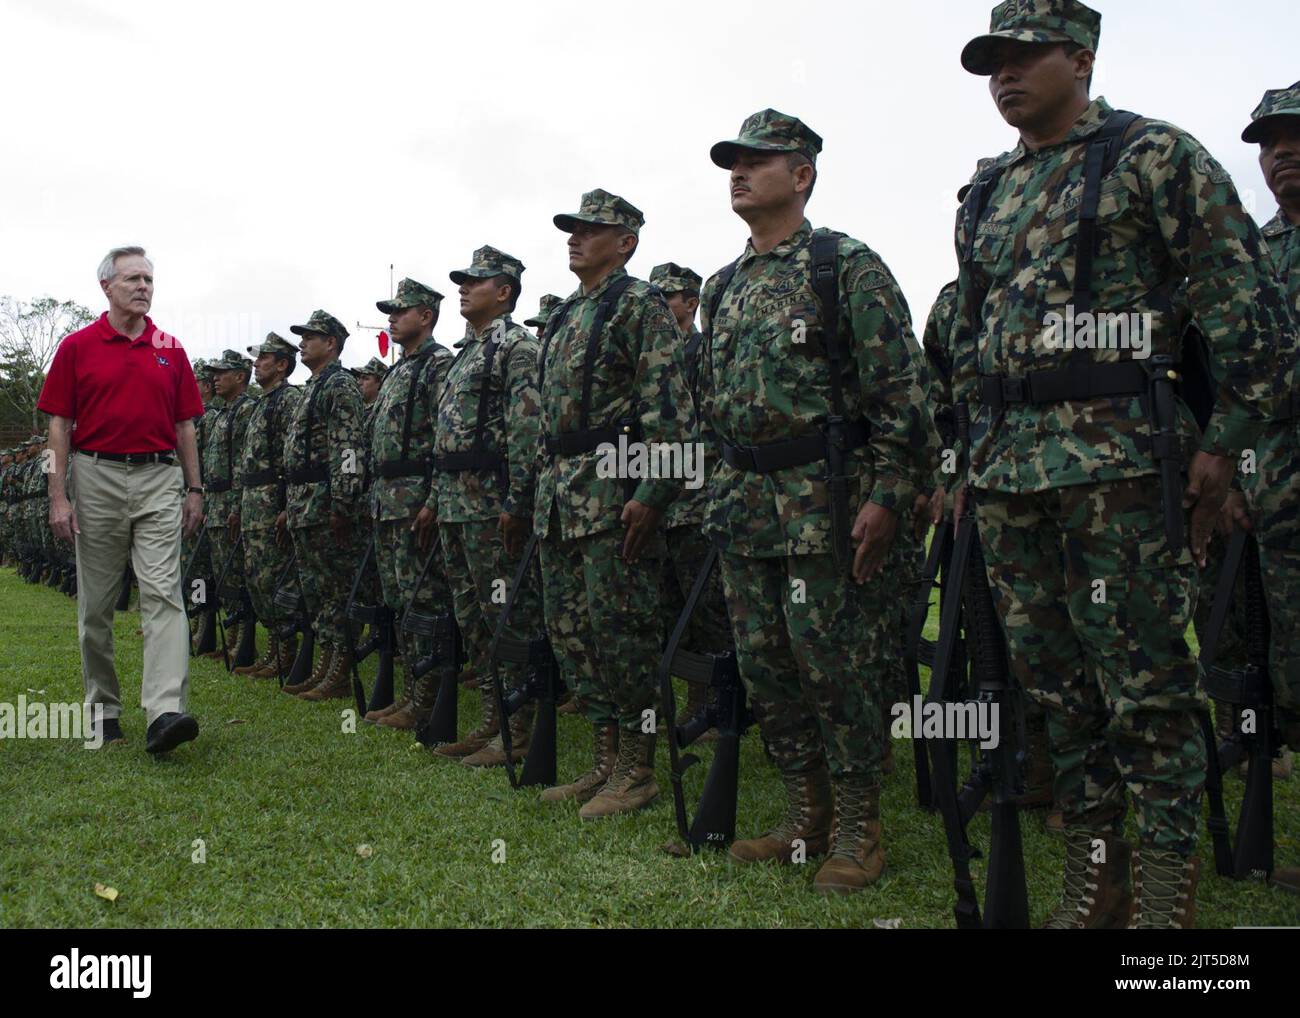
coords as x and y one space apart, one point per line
769 131
602 208
672 278
231 360
1277 103
489 262
411 294
273 343
322 323
1032 21
374 366
549 303
200 367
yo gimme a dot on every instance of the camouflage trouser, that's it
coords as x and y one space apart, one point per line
264 563
399 562
603 619
709 631
325 573
810 644
1117 677
1274 495
479 573
220 543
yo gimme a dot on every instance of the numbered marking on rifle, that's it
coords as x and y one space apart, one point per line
47 461
648 721
799 331
1098 854
499 591
1248 464
349 717
798 851
1098 591
798 591
498 850
349 461
1248 721
198 592
948 461
200 853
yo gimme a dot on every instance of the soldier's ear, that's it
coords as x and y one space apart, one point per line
693 304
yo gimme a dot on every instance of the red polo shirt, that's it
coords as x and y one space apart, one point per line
124 395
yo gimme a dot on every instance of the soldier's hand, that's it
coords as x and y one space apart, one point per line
282 530
514 532
873 531
63 519
936 506
921 516
641 521
422 528
341 528
232 525
1208 480
1234 514
191 514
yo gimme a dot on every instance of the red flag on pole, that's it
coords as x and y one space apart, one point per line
383 344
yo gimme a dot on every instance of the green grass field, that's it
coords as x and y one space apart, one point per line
282 798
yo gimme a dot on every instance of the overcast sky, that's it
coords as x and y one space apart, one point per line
277 157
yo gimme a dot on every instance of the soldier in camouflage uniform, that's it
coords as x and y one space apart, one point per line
222 450
6 533
548 304
403 500
370 378
608 374
323 463
709 632
1093 598
485 455
810 619
1274 491
262 499
201 568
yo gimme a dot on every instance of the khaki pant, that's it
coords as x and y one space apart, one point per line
125 508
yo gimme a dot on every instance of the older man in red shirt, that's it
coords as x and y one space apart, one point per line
122 395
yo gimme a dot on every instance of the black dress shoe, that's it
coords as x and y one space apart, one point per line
110 733
168 731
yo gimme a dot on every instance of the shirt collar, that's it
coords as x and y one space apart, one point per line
1278 225
108 333
1088 124
784 249
601 287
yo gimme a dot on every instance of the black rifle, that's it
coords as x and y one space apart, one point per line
446 655
205 604
1248 689
124 596
714 823
289 599
997 771
541 684
246 652
917 650
380 619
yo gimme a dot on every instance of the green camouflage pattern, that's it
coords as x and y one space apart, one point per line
768 333
673 278
231 360
936 343
274 343
488 262
336 443
1167 212
691 507
398 564
322 323
769 131
401 498
224 437
374 366
264 560
636 377
709 631
510 424
411 294
602 208
1035 21
325 573
548 304
1277 103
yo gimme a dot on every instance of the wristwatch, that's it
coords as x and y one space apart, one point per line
196 491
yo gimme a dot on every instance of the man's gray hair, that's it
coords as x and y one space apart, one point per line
108 267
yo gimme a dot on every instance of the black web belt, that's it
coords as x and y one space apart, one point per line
574 443
1061 385
260 478
795 452
308 475
459 462
218 487
393 469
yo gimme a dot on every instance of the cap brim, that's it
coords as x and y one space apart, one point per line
569 222
1257 129
977 55
724 152
388 307
468 276
534 323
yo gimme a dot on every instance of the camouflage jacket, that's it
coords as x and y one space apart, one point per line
1167 212
1283 239
636 376
691 507
937 344
400 498
765 378
264 451
332 399
510 424
203 428
222 455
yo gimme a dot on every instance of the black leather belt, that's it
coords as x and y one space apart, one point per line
460 462
308 475
166 458
1061 385
796 452
574 443
260 478
401 468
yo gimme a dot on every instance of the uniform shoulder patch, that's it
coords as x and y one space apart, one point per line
863 268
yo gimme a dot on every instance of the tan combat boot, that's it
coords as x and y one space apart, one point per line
1287 878
631 785
286 654
258 669
807 819
479 737
1164 890
493 752
856 857
325 652
374 716
568 705
337 683
586 785
1096 895
424 692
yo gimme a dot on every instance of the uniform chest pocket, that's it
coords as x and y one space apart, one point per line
1113 211
990 246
